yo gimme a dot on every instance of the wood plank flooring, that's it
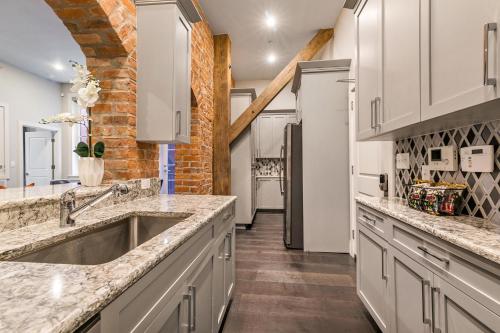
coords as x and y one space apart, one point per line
289 291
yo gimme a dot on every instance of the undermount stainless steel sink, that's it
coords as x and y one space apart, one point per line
105 243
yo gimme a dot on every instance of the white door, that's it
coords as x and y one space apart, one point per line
279 123
3 143
38 159
164 168
400 105
369 24
453 54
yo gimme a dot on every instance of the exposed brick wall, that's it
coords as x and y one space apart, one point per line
193 169
106 32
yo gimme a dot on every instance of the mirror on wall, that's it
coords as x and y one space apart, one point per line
35 71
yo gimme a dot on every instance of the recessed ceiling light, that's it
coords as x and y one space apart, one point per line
271 58
270 21
58 66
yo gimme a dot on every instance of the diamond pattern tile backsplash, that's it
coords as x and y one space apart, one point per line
268 167
483 195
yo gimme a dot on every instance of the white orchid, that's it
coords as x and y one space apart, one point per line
64 117
85 85
89 95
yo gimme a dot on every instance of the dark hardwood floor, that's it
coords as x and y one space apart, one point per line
288 291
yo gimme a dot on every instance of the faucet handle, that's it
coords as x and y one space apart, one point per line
121 189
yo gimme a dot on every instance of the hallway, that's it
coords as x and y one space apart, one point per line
289 291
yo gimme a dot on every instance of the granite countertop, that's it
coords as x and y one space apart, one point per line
479 236
37 297
16 196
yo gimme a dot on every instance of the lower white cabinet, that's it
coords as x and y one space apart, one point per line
269 193
189 291
372 277
412 283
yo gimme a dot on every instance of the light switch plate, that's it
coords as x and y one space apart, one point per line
426 172
403 161
145 183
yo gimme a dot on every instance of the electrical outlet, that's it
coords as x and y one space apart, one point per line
145 183
403 161
426 172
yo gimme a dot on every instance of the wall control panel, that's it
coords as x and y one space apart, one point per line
443 158
477 159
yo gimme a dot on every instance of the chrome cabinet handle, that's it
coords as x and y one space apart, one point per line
378 113
229 253
369 219
487 80
425 283
434 328
192 309
372 114
384 264
178 122
426 251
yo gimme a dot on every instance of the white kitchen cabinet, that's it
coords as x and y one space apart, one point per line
372 282
269 193
455 312
270 133
369 66
410 299
4 139
400 102
229 273
200 296
164 70
454 64
219 294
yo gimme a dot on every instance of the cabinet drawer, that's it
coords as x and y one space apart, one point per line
373 221
478 279
224 220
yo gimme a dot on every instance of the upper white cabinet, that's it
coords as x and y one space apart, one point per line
400 103
459 54
270 134
3 143
164 70
421 59
369 76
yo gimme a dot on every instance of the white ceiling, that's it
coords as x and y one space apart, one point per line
243 20
33 38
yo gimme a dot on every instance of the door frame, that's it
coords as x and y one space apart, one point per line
57 147
6 142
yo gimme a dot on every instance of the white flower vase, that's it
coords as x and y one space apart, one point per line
91 171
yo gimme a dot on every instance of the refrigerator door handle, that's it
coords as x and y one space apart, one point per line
281 170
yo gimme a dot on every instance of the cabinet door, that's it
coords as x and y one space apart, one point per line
368 27
269 194
219 301
455 312
410 289
279 123
229 265
298 105
453 57
200 299
371 275
182 78
173 317
400 105
265 136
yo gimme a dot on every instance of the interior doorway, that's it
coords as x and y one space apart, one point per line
39 159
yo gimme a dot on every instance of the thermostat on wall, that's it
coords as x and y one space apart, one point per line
443 158
477 159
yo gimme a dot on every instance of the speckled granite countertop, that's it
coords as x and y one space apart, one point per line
38 297
476 235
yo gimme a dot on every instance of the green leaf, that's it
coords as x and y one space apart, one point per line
82 149
99 149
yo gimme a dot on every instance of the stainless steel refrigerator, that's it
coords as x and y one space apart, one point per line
291 186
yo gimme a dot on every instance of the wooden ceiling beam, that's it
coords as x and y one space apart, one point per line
279 82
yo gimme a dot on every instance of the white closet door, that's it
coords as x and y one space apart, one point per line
3 143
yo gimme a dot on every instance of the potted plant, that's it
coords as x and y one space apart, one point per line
90 164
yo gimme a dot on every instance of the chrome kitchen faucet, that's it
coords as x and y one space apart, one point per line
68 211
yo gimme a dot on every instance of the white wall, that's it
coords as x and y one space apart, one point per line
29 98
284 100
